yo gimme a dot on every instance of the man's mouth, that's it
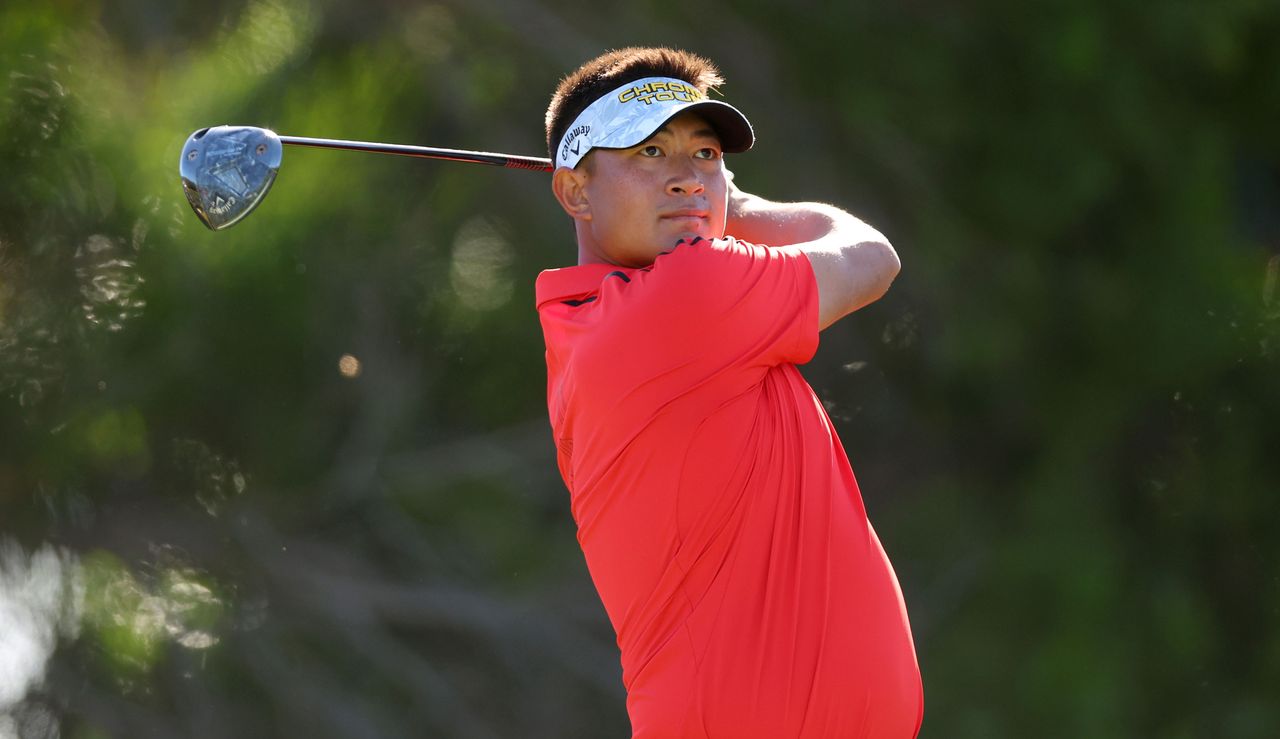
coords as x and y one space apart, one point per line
691 214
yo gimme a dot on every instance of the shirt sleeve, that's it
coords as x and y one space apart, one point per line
752 303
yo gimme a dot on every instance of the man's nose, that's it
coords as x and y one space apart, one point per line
685 180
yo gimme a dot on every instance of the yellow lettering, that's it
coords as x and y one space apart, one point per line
660 91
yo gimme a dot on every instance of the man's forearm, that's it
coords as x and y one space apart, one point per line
760 221
853 263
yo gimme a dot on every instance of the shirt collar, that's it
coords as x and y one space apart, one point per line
573 283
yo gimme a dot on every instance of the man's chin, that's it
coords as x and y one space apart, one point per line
701 233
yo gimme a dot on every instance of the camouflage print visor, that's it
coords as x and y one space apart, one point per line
632 113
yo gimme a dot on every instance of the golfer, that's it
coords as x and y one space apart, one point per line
715 506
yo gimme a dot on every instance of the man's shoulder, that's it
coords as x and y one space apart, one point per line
570 285
689 274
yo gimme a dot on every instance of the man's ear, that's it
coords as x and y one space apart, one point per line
570 187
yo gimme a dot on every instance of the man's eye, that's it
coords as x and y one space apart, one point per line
650 151
707 153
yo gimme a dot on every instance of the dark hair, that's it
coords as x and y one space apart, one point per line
616 68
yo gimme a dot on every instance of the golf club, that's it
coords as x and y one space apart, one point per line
227 170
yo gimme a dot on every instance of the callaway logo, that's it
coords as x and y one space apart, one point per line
221 205
573 138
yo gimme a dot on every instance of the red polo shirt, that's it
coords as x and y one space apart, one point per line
715 506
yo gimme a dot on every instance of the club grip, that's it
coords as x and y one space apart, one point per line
534 163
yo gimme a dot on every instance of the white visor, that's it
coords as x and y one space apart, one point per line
632 113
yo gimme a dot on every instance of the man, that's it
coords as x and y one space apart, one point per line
716 509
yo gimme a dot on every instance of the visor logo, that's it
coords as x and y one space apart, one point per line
652 92
572 138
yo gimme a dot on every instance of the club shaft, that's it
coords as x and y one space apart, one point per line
426 152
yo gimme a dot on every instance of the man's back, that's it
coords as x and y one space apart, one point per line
716 508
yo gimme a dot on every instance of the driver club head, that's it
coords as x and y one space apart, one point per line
227 170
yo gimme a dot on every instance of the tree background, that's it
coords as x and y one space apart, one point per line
1063 416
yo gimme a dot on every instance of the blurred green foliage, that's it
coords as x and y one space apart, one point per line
1063 416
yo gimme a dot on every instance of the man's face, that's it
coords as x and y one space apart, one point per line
642 200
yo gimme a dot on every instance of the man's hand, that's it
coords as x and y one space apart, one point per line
852 262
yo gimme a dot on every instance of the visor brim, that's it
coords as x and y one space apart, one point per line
731 127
